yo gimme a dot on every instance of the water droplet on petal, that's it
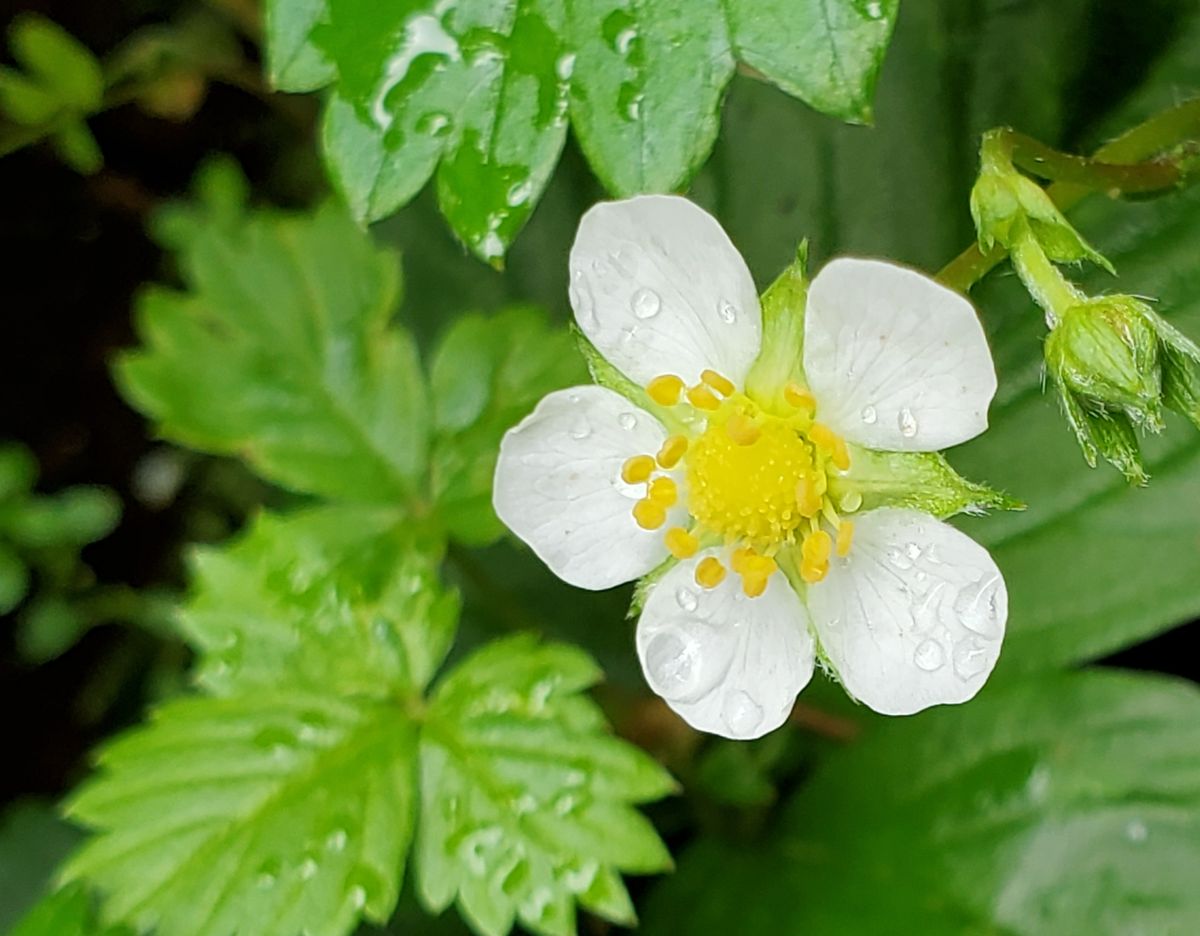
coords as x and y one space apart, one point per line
898 558
970 658
913 551
686 599
977 609
741 714
672 664
627 421
869 415
580 429
727 311
907 422
645 303
582 300
929 655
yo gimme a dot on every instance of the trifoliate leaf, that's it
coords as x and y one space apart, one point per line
525 800
342 598
275 812
281 352
1069 804
486 374
480 91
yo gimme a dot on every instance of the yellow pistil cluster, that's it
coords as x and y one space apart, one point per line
756 481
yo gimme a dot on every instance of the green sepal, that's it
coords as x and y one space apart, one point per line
1179 359
1104 432
607 376
1106 351
781 360
918 480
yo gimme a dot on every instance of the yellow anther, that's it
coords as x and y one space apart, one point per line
800 398
813 572
823 437
850 502
637 469
742 429
672 450
816 547
680 543
723 385
710 573
649 515
754 585
845 536
841 454
703 398
664 492
739 559
665 389
808 497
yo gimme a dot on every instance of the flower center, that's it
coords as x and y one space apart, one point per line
755 482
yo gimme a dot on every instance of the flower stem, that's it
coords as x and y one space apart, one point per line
1049 288
1159 155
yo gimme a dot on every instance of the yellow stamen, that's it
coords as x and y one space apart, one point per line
845 536
816 547
808 497
813 572
742 429
723 385
739 559
841 454
665 389
672 450
754 585
710 573
681 543
664 492
637 469
800 398
823 437
703 398
649 515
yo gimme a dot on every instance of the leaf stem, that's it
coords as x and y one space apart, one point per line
1161 154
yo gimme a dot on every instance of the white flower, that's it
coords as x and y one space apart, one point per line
751 493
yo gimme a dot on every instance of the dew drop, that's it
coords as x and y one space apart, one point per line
519 194
645 303
977 609
970 658
580 429
627 335
913 551
565 66
582 300
741 713
898 558
686 599
627 421
434 123
358 897
625 40
1136 831
875 9
672 664
266 881
727 311
869 415
308 869
907 422
929 655
337 840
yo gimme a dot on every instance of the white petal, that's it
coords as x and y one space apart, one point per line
727 664
658 288
914 616
558 486
896 361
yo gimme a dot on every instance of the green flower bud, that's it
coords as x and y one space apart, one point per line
1179 359
1106 351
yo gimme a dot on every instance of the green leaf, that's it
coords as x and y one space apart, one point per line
25 102
281 352
479 92
58 61
646 87
826 52
18 470
66 912
77 147
14 579
74 517
341 598
1066 805
485 375
525 804
269 813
